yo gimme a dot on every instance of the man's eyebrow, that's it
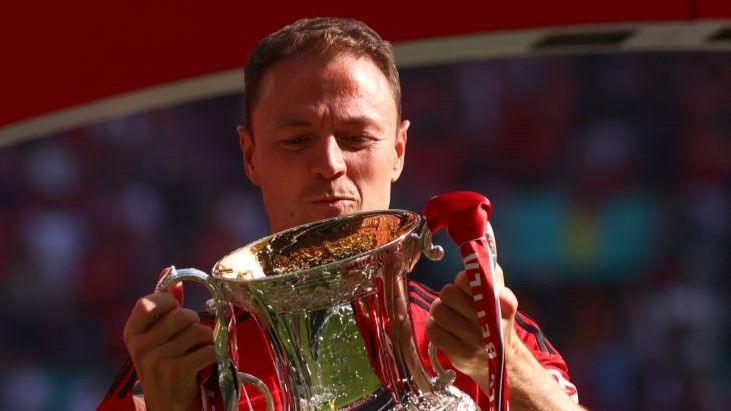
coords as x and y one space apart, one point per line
355 121
293 122
361 122
358 120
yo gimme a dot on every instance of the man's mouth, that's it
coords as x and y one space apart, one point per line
333 203
332 200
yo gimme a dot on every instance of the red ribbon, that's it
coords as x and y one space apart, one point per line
465 215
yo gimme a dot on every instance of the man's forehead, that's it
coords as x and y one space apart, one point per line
339 75
347 89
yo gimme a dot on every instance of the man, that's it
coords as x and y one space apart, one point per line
325 138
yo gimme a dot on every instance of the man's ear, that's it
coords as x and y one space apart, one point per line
400 147
246 141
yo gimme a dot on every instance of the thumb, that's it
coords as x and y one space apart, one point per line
508 303
176 290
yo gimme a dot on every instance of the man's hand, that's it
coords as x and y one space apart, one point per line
453 327
168 346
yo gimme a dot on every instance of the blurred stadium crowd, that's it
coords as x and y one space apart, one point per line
610 177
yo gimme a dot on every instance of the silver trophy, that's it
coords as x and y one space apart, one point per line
332 299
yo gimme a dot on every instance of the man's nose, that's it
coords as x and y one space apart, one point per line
328 161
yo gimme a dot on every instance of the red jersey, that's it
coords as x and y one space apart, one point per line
257 359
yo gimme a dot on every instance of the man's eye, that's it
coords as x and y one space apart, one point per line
297 141
357 140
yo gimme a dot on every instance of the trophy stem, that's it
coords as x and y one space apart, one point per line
320 359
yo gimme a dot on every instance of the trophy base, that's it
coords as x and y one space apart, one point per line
451 399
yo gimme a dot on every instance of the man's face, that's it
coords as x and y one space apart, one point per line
326 139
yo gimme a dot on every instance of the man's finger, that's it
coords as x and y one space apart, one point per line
459 301
455 323
499 275
146 311
193 336
172 323
463 283
508 303
199 358
447 342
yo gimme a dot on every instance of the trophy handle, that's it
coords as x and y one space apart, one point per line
245 378
230 380
444 378
174 276
432 251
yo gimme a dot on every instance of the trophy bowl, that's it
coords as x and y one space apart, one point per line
331 297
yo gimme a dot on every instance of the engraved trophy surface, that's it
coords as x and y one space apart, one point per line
332 299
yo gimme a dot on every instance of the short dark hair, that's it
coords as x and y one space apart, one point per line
325 36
